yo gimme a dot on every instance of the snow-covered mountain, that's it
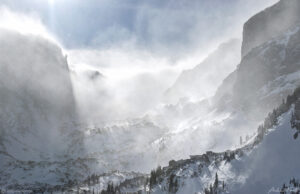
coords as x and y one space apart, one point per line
267 73
265 76
44 143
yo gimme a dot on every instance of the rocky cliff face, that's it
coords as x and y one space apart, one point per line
270 23
36 96
36 114
269 70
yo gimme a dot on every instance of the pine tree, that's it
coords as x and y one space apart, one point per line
206 191
283 189
158 171
296 135
176 186
171 183
216 183
293 120
211 189
152 179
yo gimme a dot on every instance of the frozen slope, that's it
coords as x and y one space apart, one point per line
275 161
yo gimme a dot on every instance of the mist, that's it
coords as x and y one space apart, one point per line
144 56
119 76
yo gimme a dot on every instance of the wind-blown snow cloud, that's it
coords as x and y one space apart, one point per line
139 46
24 23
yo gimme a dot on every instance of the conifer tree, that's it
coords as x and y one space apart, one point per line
216 183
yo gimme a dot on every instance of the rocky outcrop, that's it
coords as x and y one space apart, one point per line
270 23
269 71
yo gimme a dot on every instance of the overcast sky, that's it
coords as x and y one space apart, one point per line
170 28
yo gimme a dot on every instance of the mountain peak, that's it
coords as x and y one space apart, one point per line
270 23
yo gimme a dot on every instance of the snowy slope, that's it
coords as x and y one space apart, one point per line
271 164
123 145
257 167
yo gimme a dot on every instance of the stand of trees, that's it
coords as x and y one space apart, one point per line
154 175
111 189
217 187
272 118
173 184
295 119
92 180
229 156
293 187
